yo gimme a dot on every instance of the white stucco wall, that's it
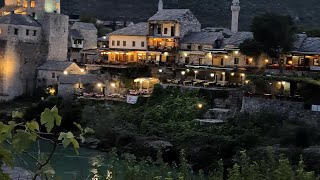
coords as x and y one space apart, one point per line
129 40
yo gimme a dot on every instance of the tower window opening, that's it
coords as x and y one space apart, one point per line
16 31
33 4
57 6
25 4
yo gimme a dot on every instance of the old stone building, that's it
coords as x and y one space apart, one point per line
51 71
89 33
31 33
83 42
156 41
129 44
195 48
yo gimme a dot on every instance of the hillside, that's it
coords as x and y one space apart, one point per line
209 12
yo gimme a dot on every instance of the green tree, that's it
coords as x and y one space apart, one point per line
276 33
273 34
15 138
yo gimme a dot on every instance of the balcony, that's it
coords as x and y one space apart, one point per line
77 46
163 48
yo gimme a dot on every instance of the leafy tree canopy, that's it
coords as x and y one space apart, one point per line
272 33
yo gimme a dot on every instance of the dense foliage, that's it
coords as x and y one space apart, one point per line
271 167
169 115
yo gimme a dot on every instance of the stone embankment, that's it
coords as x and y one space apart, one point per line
293 110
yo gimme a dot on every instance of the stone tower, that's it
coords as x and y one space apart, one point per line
235 8
160 5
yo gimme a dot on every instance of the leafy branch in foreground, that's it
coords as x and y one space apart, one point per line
16 138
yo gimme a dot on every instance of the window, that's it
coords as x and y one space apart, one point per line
113 43
159 30
165 30
316 62
200 61
187 60
172 30
57 6
236 60
33 15
142 44
189 46
27 32
33 4
25 4
133 44
53 75
199 48
34 32
124 43
118 43
16 31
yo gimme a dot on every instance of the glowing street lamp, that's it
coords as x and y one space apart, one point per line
232 74
195 74
113 85
212 74
200 106
160 70
65 72
242 75
99 85
183 73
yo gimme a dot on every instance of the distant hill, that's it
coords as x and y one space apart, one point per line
210 12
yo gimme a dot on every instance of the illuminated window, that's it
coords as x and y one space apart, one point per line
18 2
57 6
25 4
33 4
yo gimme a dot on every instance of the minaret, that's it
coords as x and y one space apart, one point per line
160 5
235 8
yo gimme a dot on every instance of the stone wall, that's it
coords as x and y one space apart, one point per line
55 30
293 110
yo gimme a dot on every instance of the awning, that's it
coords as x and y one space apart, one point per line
209 67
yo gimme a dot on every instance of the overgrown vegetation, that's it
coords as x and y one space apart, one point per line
270 167
169 116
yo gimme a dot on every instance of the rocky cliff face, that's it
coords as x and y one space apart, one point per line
209 12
